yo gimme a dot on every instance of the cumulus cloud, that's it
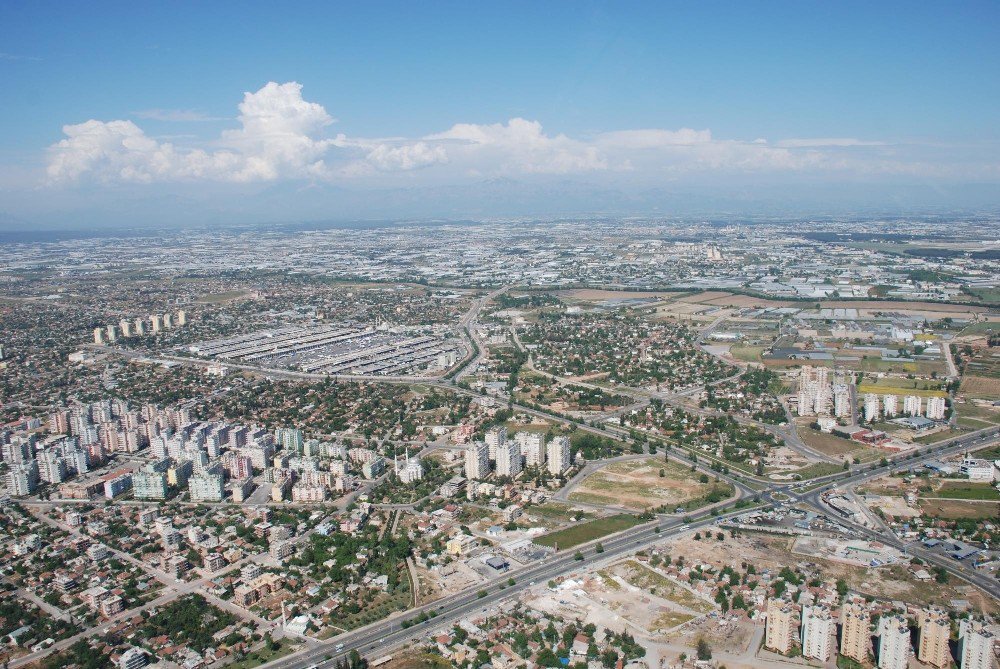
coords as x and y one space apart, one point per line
521 146
281 135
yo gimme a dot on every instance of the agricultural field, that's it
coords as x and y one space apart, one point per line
644 484
903 386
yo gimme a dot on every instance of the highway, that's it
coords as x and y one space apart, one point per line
380 638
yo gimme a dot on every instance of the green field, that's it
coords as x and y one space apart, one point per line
584 532
918 387
966 490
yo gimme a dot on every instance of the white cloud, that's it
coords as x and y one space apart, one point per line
280 135
521 146
653 138
827 141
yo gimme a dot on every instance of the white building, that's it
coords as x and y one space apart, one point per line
495 438
889 406
206 487
871 407
935 408
817 632
893 643
977 470
412 471
558 455
149 485
477 461
532 448
841 401
508 459
913 405
975 645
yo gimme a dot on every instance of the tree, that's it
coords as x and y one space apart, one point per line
578 556
704 650
599 548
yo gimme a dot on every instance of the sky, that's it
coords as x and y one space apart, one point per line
210 113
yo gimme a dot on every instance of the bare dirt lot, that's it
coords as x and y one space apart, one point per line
637 485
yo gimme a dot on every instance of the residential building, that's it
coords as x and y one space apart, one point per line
893 642
558 455
508 459
855 634
935 630
975 645
782 625
817 632
477 461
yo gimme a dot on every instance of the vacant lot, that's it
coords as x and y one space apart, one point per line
654 582
588 531
965 490
638 484
950 509
980 386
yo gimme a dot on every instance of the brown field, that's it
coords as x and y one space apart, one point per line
953 509
980 386
591 295
637 484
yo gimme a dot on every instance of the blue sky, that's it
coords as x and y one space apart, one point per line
382 96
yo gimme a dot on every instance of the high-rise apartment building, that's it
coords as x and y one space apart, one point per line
782 625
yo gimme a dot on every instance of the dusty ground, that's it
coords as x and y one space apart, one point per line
637 485
772 553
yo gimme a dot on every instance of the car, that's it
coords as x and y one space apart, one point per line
339 647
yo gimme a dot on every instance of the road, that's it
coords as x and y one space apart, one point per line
379 638
468 325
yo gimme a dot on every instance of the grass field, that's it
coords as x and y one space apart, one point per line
966 490
828 444
747 353
588 531
817 469
897 386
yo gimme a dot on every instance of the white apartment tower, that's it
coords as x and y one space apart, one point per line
558 455
508 459
157 322
495 438
893 643
912 405
817 632
841 401
871 407
935 408
98 336
126 326
532 448
889 406
975 645
477 461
